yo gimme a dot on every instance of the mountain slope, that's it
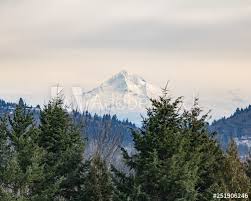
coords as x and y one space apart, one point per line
125 95
238 127
6 107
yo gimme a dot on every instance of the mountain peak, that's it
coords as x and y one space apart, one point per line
126 82
127 76
123 73
124 94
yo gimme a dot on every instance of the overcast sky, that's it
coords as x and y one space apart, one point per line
202 46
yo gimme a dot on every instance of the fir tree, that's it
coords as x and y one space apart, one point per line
62 141
172 149
248 166
209 155
96 181
234 175
21 158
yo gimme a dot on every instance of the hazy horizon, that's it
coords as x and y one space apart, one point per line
202 48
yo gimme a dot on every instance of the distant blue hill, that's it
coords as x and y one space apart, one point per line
93 125
6 107
237 127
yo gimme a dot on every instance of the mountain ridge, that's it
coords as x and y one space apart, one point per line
237 127
124 94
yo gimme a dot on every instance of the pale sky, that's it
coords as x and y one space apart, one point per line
203 47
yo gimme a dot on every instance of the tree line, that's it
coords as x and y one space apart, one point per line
174 158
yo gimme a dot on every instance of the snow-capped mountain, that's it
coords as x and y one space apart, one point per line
126 95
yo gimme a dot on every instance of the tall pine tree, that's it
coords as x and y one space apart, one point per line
21 158
176 158
64 147
96 181
234 175
248 166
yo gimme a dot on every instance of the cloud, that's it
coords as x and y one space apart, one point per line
179 25
236 96
62 41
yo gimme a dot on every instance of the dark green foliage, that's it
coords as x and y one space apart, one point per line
40 163
209 159
176 157
248 166
235 177
93 124
61 139
21 158
126 187
96 181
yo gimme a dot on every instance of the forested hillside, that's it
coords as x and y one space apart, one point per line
92 124
237 127
6 107
175 157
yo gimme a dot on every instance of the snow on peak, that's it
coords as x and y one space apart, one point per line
126 83
124 94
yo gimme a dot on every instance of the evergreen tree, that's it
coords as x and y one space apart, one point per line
171 156
248 166
234 175
209 155
62 141
20 164
96 181
126 188
21 103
